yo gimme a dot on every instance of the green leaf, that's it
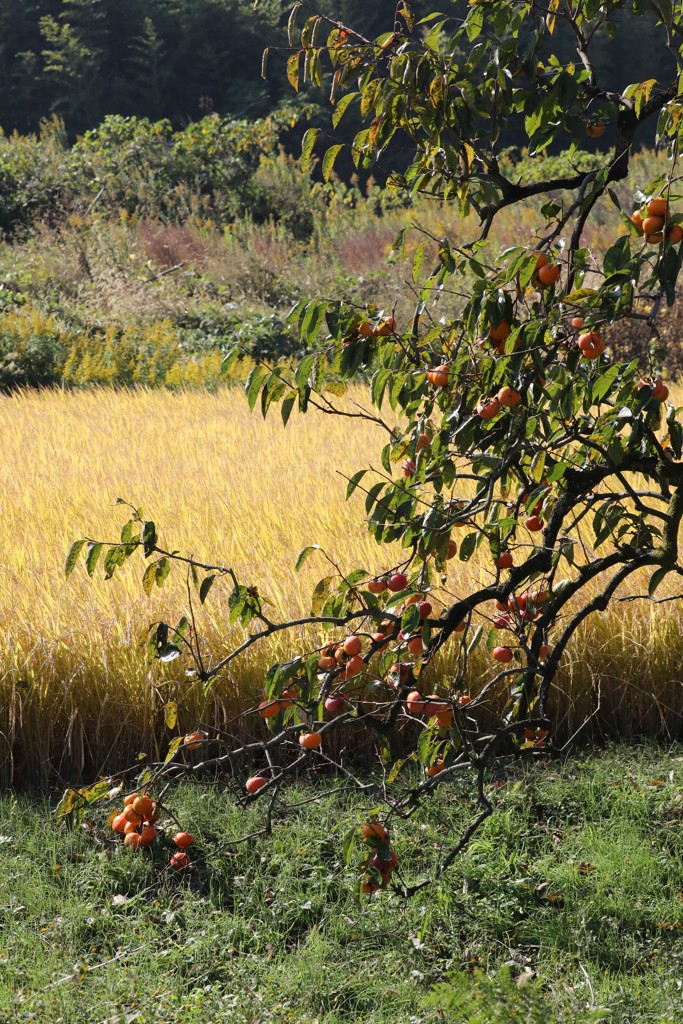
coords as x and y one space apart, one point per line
557 472
468 546
348 845
418 261
127 532
336 387
273 390
605 382
303 371
618 256
341 106
230 359
312 319
286 408
307 145
474 642
329 159
578 296
149 538
398 245
320 594
293 70
354 481
656 579
98 791
71 800
149 578
303 555
446 256
291 23
615 198
72 557
397 766
372 495
253 384
424 746
163 568
406 13
92 554
112 560
237 603
410 619
379 382
207 583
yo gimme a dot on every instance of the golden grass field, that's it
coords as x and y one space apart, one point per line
76 694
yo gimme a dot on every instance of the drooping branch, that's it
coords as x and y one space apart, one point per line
599 603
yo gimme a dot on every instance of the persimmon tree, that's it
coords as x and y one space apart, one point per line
521 437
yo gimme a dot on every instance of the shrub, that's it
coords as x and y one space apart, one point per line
33 178
33 348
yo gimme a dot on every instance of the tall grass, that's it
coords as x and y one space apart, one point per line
76 694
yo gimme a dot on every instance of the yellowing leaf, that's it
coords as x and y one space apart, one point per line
293 70
643 94
550 19
171 714
173 748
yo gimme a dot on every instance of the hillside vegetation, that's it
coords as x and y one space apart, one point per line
140 254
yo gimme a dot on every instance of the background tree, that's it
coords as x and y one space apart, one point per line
87 60
519 435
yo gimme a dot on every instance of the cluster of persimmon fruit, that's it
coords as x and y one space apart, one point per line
269 708
347 657
382 329
536 737
381 860
440 376
431 706
653 390
533 521
513 613
507 398
652 221
590 343
546 273
422 441
137 823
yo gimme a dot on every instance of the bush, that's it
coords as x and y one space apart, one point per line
33 178
33 348
133 168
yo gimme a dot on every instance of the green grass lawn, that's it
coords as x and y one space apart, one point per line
576 884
